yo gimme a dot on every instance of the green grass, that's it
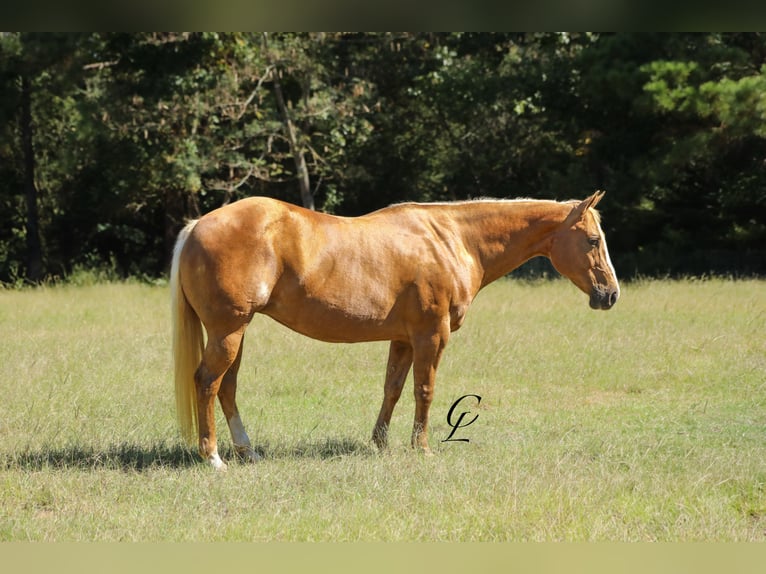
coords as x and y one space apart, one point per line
647 422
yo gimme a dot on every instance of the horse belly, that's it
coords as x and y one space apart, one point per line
326 323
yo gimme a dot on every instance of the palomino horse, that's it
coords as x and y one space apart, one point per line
405 274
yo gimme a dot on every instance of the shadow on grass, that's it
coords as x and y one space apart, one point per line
324 449
130 457
119 457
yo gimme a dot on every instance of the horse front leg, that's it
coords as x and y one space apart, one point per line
399 363
227 395
427 354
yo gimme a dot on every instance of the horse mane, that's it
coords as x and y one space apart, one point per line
483 199
572 202
487 199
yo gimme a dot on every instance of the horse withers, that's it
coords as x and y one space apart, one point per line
406 274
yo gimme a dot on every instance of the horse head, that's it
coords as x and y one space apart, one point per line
579 252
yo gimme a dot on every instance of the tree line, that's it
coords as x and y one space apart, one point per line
110 141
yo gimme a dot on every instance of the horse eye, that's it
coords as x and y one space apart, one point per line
594 241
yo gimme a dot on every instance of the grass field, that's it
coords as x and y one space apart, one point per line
647 422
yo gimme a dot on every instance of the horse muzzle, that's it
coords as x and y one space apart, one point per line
603 298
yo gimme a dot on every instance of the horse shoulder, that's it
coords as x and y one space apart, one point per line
445 274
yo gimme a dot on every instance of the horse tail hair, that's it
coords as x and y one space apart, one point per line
188 344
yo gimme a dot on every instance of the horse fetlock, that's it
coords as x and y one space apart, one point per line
380 437
420 439
208 450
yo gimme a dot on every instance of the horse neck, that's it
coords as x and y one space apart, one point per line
505 234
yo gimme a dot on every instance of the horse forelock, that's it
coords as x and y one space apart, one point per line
596 216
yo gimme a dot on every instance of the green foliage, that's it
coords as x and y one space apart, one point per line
712 150
135 132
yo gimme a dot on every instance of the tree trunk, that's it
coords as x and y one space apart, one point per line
180 207
34 246
302 172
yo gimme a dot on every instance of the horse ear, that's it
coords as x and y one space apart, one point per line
595 198
579 210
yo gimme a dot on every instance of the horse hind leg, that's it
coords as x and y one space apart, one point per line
220 354
227 397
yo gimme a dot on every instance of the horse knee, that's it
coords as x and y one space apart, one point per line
424 396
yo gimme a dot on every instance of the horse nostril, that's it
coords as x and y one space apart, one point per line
613 298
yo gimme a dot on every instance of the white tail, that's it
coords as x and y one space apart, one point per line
188 344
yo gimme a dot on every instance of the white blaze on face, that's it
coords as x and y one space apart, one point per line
608 260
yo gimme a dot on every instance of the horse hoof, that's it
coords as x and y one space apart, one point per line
250 455
216 462
380 444
424 450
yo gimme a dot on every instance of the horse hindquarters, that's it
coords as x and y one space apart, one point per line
205 371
